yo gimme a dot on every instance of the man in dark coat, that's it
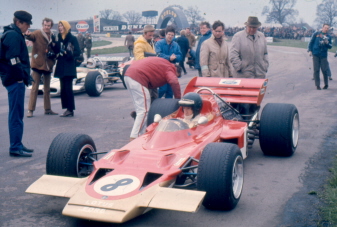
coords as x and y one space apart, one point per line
80 40
14 72
184 48
88 44
205 30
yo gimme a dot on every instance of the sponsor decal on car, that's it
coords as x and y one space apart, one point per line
230 82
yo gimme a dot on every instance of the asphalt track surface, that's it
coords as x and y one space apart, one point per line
275 189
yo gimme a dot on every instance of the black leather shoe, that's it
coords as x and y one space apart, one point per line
67 114
325 87
25 149
50 112
20 153
319 88
133 114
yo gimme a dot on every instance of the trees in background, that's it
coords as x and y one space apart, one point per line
326 13
280 11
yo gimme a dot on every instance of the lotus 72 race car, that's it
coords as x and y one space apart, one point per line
172 166
92 77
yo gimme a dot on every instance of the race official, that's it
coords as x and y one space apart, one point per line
14 72
42 62
145 74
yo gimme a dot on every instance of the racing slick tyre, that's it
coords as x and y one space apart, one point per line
123 74
94 84
163 107
220 175
279 129
70 155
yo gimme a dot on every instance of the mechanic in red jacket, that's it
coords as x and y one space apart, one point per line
145 74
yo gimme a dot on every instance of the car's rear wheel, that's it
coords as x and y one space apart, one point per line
71 155
94 83
220 174
163 107
279 129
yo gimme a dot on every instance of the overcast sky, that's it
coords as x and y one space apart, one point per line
230 12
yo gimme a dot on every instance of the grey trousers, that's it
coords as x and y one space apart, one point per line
320 63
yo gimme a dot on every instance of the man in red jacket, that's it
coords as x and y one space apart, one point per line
145 74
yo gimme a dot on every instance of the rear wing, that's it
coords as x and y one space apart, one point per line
233 90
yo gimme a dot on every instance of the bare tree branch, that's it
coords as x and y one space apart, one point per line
326 13
281 11
105 14
132 17
193 15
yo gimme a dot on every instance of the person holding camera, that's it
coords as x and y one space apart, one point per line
42 62
318 48
14 72
67 49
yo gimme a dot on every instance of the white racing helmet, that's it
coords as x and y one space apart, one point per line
91 63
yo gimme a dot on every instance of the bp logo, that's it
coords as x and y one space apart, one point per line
117 185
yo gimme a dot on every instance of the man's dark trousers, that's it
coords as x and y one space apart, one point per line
320 63
16 99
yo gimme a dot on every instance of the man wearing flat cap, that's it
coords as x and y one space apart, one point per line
15 74
248 52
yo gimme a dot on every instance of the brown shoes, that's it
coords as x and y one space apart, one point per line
30 113
50 112
68 113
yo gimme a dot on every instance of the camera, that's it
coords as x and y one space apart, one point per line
51 54
325 40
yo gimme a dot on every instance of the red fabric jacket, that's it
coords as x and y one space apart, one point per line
154 72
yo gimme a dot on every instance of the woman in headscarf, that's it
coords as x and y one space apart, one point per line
68 49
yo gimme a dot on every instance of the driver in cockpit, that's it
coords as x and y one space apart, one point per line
191 104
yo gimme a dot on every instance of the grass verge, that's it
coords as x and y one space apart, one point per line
113 50
295 43
329 196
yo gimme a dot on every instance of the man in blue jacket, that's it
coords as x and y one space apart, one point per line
318 48
205 30
15 74
169 50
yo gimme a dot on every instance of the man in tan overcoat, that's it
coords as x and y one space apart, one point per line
42 63
248 52
214 54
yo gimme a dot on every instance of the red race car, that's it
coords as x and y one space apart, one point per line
161 168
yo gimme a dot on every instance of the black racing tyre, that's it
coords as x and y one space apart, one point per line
279 129
70 155
220 175
123 74
94 83
163 107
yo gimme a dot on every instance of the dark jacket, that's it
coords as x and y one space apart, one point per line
184 45
65 65
165 50
13 46
317 45
197 53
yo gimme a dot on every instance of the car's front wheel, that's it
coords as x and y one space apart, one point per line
220 175
71 155
94 84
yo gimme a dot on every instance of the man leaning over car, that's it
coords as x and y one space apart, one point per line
145 74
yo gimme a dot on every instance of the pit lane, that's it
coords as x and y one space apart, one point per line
275 189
